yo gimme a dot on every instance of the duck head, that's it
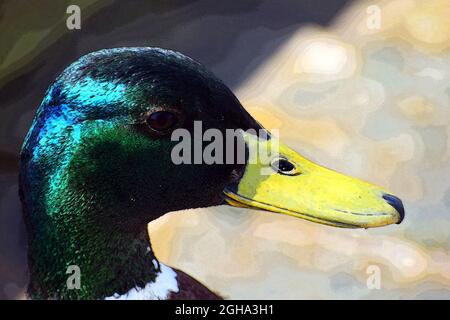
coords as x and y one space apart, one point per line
98 164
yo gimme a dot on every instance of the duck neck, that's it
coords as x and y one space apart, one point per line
79 248
71 260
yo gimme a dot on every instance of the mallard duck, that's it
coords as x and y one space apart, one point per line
96 167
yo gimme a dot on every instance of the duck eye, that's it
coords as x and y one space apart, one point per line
161 120
284 166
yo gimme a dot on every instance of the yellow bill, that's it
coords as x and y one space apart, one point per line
285 182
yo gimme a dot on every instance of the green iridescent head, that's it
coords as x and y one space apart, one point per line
96 165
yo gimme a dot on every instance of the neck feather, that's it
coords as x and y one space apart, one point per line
109 263
75 228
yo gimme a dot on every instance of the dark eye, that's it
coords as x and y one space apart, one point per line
161 120
284 166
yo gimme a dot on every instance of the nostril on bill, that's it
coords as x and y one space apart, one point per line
397 204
